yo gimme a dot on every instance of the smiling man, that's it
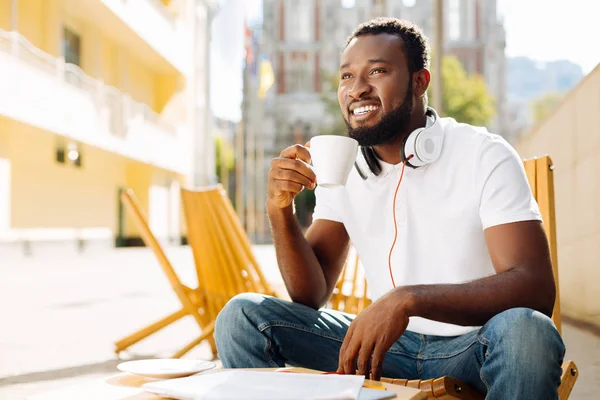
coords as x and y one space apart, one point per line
444 222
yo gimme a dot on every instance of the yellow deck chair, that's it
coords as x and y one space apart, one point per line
225 263
193 301
352 285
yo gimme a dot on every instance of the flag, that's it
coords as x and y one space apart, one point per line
267 77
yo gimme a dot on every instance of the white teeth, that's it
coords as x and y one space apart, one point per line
364 110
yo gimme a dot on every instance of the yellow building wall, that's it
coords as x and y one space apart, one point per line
142 82
571 136
5 14
31 21
110 74
4 138
166 87
42 23
48 194
138 178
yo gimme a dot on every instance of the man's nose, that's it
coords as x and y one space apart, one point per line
359 89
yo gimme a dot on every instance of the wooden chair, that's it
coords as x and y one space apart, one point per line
225 263
347 293
194 302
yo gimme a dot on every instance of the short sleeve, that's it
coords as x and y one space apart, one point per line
327 204
501 184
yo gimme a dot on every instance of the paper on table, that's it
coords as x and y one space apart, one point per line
254 385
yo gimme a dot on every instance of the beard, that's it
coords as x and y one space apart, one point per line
388 128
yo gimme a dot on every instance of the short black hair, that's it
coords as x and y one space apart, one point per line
415 42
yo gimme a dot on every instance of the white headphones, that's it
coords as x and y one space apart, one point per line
423 146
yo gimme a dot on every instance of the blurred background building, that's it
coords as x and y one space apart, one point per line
97 96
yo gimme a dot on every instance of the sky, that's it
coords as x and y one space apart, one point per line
227 53
548 30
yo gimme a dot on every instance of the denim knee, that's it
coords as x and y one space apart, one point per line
233 318
525 337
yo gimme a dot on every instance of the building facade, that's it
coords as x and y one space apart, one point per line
98 96
571 136
474 33
304 39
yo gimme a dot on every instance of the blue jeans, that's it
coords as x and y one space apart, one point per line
516 355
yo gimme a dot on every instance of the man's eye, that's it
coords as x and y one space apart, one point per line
377 71
345 76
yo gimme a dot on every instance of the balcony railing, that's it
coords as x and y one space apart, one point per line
163 10
115 107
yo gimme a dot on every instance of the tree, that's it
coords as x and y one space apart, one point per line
545 104
224 160
332 106
465 98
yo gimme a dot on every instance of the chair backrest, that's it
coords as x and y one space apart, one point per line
347 293
540 174
225 263
351 290
141 220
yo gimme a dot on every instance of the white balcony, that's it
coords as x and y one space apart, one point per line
153 32
41 90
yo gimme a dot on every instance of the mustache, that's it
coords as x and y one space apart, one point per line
376 99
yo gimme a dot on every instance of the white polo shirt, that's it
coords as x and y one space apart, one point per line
442 210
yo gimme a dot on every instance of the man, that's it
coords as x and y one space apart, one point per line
466 290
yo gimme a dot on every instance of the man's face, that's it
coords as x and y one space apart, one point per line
375 91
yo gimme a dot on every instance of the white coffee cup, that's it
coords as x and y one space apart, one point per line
332 158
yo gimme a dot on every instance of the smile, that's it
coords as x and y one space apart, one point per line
364 110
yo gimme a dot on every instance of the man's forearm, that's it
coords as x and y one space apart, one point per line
474 303
300 268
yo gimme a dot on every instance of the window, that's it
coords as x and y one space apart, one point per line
60 151
74 154
301 17
71 46
68 154
300 77
454 20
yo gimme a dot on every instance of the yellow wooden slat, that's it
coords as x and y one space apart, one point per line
530 170
545 200
186 296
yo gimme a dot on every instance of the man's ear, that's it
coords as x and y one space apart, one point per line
421 81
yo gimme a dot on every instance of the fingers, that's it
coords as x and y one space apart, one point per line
292 170
296 151
341 357
364 359
287 186
377 362
348 353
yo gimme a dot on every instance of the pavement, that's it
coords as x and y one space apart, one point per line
62 312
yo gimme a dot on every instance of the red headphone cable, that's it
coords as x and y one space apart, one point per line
395 223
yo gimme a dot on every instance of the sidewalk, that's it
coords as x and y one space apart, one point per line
61 317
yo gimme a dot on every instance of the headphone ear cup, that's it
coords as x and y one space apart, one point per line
371 159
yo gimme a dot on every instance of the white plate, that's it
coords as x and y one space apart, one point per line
165 368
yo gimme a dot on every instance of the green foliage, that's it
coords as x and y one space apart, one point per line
332 106
224 155
545 104
465 98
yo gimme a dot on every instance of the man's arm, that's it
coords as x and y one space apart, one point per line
310 266
520 255
521 258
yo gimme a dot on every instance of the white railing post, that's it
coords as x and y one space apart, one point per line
14 38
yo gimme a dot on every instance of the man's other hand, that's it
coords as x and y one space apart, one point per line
373 332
